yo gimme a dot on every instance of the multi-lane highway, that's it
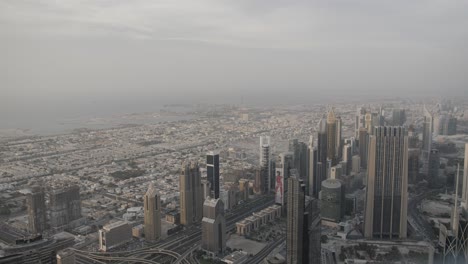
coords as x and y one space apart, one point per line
179 246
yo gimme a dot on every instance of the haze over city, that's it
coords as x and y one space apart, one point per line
233 132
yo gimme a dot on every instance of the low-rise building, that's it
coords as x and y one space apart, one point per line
113 235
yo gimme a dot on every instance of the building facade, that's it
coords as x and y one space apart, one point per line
152 214
191 194
212 173
387 184
213 226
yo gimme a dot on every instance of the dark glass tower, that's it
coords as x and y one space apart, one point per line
212 173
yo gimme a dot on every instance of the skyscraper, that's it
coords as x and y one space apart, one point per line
65 206
213 226
360 120
398 117
427 134
265 164
36 211
465 180
348 158
331 136
387 184
338 143
284 164
295 221
191 194
363 146
303 224
152 209
212 173
321 170
313 179
332 197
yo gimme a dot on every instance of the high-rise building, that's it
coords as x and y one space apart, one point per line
413 165
338 143
360 120
152 210
303 224
387 184
244 189
213 226
284 164
465 180
427 134
37 213
114 235
295 221
191 194
321 170
212 173
313 180
347 157
363 146
303 168
332 198
332 136
356 168
433 167
65 206
398 117
265 164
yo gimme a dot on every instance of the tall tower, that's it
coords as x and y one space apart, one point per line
191 194
465 180
387 184
65 206
152 209
213 226
313 179
284 164
363 146
212 173
331 136
427 134
338 144
36 211
321 153
265 164
295 221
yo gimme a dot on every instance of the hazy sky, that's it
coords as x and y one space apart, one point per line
56 54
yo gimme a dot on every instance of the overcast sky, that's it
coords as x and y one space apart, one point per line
55 53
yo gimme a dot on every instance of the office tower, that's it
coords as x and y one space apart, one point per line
347 157
331 136
114 235
212 173
321 152
332 198
451 126
303 169
295 220
465 180
356 168
244 189
213 226
37 213
398 117
293 148
413 141
65 206
368 122
258 181
264 183
433 167
191 194
360 121
152 209
338 143
303 224
313 179
284 164
387 184
413 165
206 189
427 134
272 173
336 172
363 146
